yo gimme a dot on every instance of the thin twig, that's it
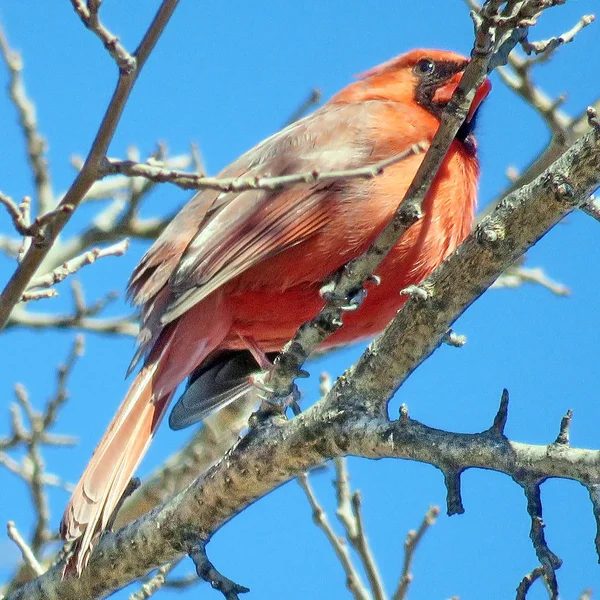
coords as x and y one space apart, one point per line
312 100
63 372
156 582
353 580
350 515
26 552
119 219
564 129
36 144
546 47
189 181
125 325
413 539
88 13
77 263
516 276
91 169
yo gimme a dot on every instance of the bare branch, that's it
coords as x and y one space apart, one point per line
77 263
515 276
63 372
31 469
413 539
30 296
312 100
88 13
546 47
120 219
350 515
209 573
36 144
523 217
91 169
353 580
81 321
16 213
592 208
155 583
275 452
527 581
26 551
195 181
564 129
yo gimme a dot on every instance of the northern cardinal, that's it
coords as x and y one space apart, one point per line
234 275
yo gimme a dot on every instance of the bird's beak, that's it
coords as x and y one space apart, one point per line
444 93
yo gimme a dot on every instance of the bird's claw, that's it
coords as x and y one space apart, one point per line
348 303
272 405
354 301
259 381
415 291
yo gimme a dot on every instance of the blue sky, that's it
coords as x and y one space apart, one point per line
226 77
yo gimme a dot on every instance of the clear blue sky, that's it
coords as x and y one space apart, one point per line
226 75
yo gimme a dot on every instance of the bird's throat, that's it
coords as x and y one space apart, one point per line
466 134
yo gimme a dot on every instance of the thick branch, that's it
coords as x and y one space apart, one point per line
220 431
272 454
498 240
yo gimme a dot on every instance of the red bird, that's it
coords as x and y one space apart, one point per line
235 274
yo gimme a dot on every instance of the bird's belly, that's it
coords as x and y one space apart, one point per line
270 315
270 300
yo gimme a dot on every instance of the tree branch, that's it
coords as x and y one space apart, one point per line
36 144
91 169
274 453
88 13
195 181
354 582
350 514
498 240
413 539
495 36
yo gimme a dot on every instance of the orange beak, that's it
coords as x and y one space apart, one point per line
444 93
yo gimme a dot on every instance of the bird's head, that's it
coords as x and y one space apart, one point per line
427 78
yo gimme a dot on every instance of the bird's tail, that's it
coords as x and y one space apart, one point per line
177 351
112 465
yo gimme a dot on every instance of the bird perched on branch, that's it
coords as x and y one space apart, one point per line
235 274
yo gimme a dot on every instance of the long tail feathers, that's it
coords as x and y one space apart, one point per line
177 351
112 465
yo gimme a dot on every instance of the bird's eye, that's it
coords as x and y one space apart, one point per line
425 66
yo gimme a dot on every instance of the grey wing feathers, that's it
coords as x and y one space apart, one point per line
215 384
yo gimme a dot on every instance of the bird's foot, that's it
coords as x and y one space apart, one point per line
346 303
257 352
272 405
415 291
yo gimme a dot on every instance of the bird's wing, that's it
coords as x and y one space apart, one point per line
218 235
